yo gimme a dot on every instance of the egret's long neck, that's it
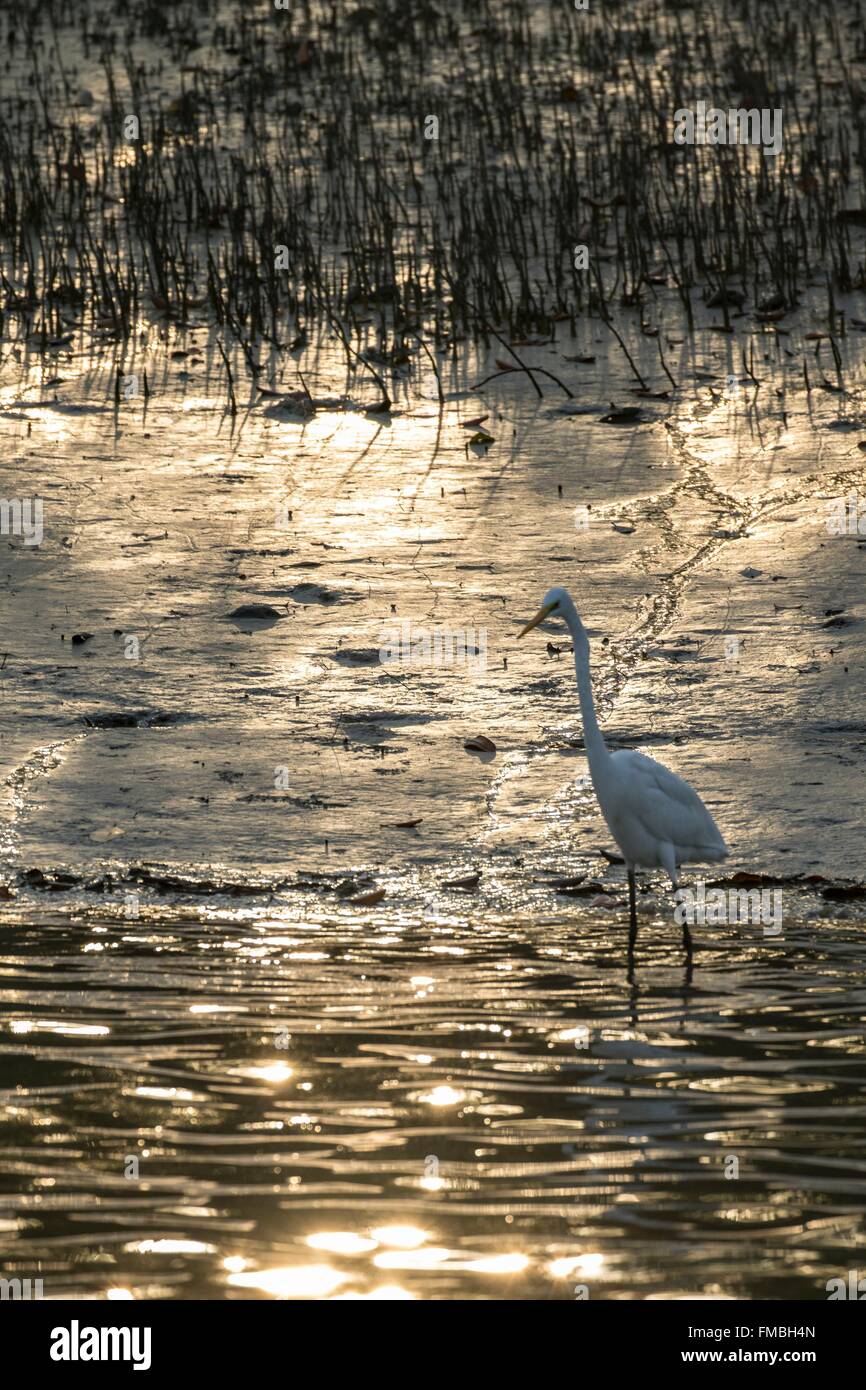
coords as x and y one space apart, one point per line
596 748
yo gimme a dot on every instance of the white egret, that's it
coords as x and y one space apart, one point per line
656 818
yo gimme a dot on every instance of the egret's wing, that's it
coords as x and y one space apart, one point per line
666 806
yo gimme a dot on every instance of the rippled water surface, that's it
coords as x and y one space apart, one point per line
454 1107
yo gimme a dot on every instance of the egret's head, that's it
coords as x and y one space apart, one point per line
552 606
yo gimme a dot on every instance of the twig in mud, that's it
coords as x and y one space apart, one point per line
499 338
748 368
233 405
522 365
837 358
609 325
542 371
433 365
664 363
385 403
306 389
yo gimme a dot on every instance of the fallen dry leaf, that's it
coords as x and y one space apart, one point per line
368 899
480 743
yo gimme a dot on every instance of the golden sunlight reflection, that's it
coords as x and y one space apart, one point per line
575 1264
385 1293
218 1009
400 1237
53 429
431 1258
275 1072
511 1263
295 1281
68 1030
341 1243
441 1095
431 1183
119 1295
578 1034
437 1257
167 1246
163 1093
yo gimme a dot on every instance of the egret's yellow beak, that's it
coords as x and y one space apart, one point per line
539 618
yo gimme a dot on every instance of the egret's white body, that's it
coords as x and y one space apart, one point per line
656 819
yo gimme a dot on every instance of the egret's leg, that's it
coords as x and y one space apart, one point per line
669 862
632 910
687 943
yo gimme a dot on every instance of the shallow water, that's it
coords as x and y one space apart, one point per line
434 1079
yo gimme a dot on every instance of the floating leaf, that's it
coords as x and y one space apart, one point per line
480 743
726 296
368 899
256 610
628 415
471 881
